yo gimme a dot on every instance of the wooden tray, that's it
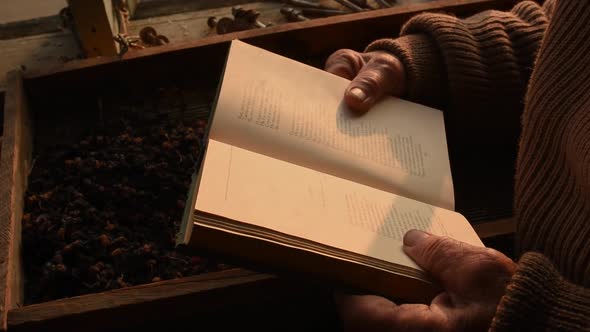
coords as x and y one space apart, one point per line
38 105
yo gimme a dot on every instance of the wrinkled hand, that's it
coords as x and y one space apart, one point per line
474 280
373 75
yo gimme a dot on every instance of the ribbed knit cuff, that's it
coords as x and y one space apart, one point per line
538 299
426 79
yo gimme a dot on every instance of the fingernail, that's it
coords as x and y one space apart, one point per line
414 237
359 94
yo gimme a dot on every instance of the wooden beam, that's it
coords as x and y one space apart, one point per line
494 228
197 295
15 162
34 26
309 37
151 8
21 10
95 26
36 53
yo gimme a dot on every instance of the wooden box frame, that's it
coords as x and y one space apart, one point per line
201 61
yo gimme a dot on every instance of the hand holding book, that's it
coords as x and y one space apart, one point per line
292 182
473 280
373 75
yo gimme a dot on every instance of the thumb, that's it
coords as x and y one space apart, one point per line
440 256
382 75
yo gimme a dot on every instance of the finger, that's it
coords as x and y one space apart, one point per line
364 312
345 63
435 254
382 75
374 313
444 258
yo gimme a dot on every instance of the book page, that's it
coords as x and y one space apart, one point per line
281 108
255 189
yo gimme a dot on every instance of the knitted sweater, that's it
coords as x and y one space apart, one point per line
521 78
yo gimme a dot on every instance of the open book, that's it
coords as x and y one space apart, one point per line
293 180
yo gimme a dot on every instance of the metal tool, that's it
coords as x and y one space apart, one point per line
293 15
384 3
212 22
322 12
362 4
223 25
242 20
303 3
350 5
149 36
249 15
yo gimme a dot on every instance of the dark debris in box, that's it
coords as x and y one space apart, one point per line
103 213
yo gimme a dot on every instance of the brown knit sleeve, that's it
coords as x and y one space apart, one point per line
475 69
469 61
539 299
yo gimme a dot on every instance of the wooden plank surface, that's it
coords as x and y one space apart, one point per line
154 8
36 52
95 25
311 37
34 26
183 20
53 49
191 26
15 162
46 50
11 11
58 46
197 295
495 228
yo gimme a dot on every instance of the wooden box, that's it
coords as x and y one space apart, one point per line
52 106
